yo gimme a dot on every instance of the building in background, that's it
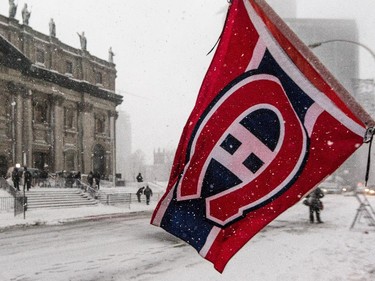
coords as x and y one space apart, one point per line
57 103
343 61
284 8
365 95
124 146
340 58
160 170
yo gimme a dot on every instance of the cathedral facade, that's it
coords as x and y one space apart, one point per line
57 103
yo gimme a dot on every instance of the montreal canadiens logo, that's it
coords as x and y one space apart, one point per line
247 150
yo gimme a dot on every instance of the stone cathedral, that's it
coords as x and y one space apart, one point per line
57 103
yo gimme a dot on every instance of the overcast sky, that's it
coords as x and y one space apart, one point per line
160 50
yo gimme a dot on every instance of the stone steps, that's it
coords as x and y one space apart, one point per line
57 198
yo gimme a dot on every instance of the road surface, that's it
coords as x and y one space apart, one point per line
130 249
115 249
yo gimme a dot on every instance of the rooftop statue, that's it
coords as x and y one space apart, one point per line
12 9
52 28
83 40
25 15
111 54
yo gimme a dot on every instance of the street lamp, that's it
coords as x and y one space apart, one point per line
371 130
370 51
318 44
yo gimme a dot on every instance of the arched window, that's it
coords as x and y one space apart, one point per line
99 124
99 78
99 160
40 56
69 117
40 113
69 67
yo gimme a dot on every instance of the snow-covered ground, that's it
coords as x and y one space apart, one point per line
58 216
290 248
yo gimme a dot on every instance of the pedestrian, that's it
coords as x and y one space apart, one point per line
90 179
60 179
69 180
97 179
78 179
16 178
27 179
43 177
139 178
148 193
139 193
315 205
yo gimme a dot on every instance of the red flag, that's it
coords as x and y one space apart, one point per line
269 124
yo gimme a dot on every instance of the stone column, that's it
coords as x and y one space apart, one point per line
86 135
18 129
16 117
57 124
113 115
27 128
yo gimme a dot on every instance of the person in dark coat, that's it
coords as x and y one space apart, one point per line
139 178
148 193
315 205
28 178
78 179
90 179
139 193
16 178
69 180
97 179
43 177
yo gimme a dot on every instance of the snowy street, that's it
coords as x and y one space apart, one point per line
121 249
96 250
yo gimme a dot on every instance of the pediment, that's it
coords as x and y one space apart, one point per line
12 57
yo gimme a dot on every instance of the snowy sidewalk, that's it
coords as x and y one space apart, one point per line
63 215
53 216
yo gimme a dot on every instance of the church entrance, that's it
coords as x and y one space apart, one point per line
99 161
